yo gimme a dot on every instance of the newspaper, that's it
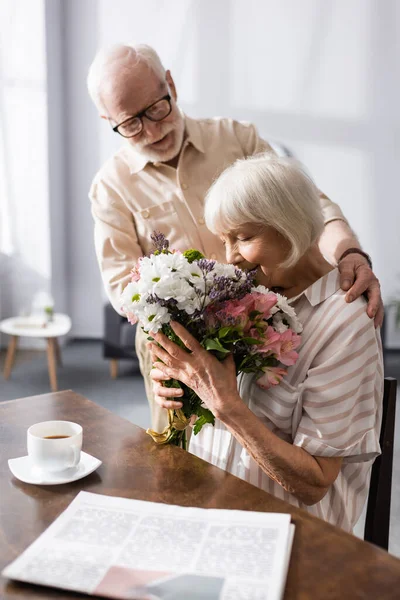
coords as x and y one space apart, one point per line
122 548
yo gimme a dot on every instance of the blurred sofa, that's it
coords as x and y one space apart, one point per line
118 340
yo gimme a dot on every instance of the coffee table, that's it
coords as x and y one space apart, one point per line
325 563
36 327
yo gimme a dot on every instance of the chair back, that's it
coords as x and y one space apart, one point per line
377 521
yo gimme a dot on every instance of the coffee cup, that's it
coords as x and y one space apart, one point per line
55 445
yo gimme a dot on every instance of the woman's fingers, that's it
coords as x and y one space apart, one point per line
163 356
170 404
167 392
174 358
170 347
157 375
167 397
190 342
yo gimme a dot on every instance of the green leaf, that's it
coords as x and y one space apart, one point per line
215 344
250 340
172 383
223 332
205 416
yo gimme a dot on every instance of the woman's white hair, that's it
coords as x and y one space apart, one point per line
269 191
119 60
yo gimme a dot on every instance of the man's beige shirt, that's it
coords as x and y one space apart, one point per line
132 197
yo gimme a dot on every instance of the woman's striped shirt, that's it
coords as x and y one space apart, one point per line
329 403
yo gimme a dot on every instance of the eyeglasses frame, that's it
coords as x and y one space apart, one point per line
142 114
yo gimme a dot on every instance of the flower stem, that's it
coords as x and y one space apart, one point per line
184 440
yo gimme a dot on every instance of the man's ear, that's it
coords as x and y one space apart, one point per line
171 85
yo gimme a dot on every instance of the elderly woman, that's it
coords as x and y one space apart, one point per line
312 439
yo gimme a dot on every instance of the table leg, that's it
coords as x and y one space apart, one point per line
8 365
51 361
58 352
114 368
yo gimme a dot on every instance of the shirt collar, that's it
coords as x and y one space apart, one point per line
322 289
137 162
193 133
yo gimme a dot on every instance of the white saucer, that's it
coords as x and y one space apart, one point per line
23 469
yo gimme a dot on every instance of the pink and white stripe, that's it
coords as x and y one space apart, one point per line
329 403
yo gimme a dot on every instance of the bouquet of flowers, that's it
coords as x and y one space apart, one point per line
223 308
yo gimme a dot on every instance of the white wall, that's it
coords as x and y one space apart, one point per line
318 75
25 255
82 161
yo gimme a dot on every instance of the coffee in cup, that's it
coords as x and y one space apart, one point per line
55 445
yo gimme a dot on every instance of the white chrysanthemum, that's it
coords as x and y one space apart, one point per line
160 267
222 270
196 278
261 289
195 273
173 286
290 314
174 262
153 316
132 297
190 304
278 324
150 275
145 262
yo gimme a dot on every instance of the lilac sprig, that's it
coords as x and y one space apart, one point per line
160 241
225 288
154 299
206 265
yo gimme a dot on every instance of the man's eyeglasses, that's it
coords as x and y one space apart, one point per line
155 112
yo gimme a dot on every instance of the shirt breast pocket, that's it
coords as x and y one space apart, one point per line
165 218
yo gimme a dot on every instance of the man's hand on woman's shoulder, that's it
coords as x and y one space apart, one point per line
357 278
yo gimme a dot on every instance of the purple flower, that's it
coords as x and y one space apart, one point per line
160 241
206 265
225 288
154 299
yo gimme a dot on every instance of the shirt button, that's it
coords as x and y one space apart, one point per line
184 186
145 214
213 256
201 221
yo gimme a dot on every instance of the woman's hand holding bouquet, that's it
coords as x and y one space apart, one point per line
223 309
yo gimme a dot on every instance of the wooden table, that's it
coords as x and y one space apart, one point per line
326 563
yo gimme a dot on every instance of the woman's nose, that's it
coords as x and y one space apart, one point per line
233 257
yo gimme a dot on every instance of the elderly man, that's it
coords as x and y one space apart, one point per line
159 178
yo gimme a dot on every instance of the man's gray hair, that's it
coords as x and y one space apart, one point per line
119 59
267 190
